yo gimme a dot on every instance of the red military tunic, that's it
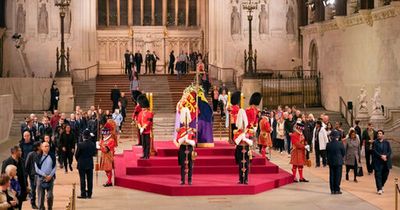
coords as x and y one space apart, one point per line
182 132
249 135
298 153
145 120
136 112
252 116
107 148
265 133
234 110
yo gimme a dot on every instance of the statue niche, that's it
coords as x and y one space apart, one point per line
290 29
21 14
235 21
67 21
43 27
263 20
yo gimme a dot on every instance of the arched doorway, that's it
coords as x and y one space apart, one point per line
313 56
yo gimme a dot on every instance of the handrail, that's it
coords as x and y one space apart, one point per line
86 71
347 112
72 200
396 193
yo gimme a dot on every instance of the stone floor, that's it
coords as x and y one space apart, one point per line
313 195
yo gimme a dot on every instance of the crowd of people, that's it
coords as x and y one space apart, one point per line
182 63
30 169
332 146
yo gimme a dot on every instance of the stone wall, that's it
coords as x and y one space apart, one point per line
275 44
6 116
27 93
39 47
356 51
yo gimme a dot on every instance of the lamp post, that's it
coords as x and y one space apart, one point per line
250 62
62 57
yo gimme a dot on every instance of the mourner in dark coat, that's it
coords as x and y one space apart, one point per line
84 156
335 152
382 161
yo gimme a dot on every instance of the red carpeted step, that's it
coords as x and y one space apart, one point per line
200 161
216 151
225 184
233 169
213 174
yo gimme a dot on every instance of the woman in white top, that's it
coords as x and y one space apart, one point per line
280 134
223 100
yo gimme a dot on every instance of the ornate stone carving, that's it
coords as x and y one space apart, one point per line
43 27
21 14
363 17
377 102
362 100
352 6
366 17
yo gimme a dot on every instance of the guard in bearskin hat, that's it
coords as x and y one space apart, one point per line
243 140
185 140
233 109
145 125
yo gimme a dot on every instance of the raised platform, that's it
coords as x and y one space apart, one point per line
214 172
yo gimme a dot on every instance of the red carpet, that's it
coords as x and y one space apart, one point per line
214 172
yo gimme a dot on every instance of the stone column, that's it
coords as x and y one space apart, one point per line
176 12
153 6
130 13
141 12
187 13
164 13
118 13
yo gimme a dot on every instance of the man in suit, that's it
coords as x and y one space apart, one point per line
127 61
115 95
84 156
154 60
30 128
138 61
148 62
367 138
171 62
382 160
335 152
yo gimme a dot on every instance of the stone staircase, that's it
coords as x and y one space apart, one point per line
84 93
167 90
19 118
333 116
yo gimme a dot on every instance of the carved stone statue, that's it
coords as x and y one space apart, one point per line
290 20
67 21
352 6
377 102
235 21
263 28
362 100
21 14
43 20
